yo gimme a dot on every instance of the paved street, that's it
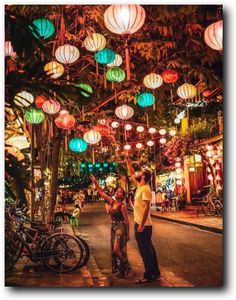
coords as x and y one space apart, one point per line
187 256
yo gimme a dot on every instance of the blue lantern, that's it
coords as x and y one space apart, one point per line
83 165
77 145
105 56
145 99
42 28
105 165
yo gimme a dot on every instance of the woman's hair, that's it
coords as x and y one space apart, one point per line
76 205
147 175
123 191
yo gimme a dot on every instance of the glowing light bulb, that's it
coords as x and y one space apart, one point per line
150 143
140 128
127 147
128 127
162 140
139 145
177 121
152 130
162 131
114 124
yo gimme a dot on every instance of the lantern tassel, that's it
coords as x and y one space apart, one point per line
96 68
105 79
127 62
93 156
171 95
115 96
66 141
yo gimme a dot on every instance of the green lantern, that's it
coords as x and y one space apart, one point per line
105 56
42 28
86 89
115 74
34 116
90 165
145 99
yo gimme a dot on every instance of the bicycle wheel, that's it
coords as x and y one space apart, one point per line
61 253
86 252
13 249
219 207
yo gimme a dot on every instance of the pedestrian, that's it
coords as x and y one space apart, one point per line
165 203
143 223
119 229
158 198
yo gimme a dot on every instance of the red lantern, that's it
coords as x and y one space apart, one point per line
206 93
40 100
51 107
170 76
103 129
65 121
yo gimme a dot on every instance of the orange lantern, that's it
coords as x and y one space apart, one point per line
103 129
40 100
51 107
170 76
214 36
186 91
65 121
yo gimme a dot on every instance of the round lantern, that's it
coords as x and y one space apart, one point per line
34 116
127 147
152 130
63 112
78 145
39 100
23 99
177 121
54 69
92 136
103 129
124 112
86 89
172 132
67 54
51 107
170 76
162 141
115 74
105 56
206 93
152 81
186 91
140 128
8 49
145 99
150 143
65 121
114 124
128 127
162 131
214 35
124 19
117 61
95 42
42 28
139 145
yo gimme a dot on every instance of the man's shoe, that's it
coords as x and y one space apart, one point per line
156 277
143 280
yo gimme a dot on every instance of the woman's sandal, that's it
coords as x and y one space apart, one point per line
142 280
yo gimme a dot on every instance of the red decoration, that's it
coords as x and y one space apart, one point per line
206 93
170 76
65 121
40 100
103 129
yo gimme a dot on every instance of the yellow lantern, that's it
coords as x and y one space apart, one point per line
152 81
116 62
124 112
186 91
67 54
24 99
213 35
95 42
92 136
54 69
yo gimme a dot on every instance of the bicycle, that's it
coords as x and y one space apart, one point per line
214 203
59 252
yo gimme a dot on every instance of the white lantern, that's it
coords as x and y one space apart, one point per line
172 132
140 128
162 140
128 127
127 147
162 131
177 121
152 81
124 112
24 99
117 61
152 130
139 145
150 143
95 42
92 137
67 54
213 35
186 91
178 165
114 124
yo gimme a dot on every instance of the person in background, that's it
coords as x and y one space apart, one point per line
158 198
143 223
119 229
165 203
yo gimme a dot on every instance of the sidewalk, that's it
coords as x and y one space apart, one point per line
28 274
190 218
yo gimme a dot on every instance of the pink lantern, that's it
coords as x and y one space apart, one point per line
51 107
214 36
124 112
63 112
65 121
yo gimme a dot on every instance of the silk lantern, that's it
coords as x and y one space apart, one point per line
92 136
117 61
145 99
140 128
34 116
150 143
78 145
105 56
67 54
39 100
54 69
86 89
124 112
213 36
103 129
63 112
95 42
42 28
186 91
152 130
23 99
51 107
128 127
124 20
65 121
162 140
152 81
115 74
127 147
162 131
170 76
114 124
139 145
